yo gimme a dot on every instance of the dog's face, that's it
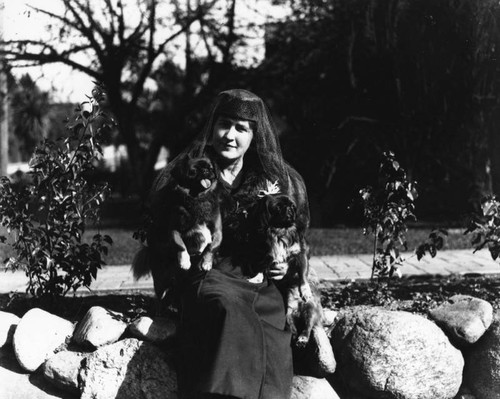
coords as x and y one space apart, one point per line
278 210
195 174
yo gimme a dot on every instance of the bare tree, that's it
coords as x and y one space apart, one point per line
103 41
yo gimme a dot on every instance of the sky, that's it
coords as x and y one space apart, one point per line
65 84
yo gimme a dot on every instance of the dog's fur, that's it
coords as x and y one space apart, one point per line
274 238
189 225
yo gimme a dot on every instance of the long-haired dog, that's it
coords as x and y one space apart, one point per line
189 225
275 239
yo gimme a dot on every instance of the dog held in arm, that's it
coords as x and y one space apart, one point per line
190 225
275 239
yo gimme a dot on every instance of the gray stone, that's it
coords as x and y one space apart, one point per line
128 369
37 336
482 364
62 370
464 318
16 383
316 359
394 354
312 388
8 324
158 330
99 327
329 317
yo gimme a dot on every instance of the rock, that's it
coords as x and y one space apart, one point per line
316 359
158 330
37 336
312 388
128 369
329 317
482 364
99 327
62 370
394 354
464 318
8 324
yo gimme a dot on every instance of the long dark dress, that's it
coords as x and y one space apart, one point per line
232 338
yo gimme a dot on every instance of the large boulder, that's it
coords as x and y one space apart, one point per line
62 370
99 327
464 318
128 369
312 388
394 354
316 359
158 330
37 336
8 324
482 364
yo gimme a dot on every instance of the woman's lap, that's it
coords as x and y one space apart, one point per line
232 339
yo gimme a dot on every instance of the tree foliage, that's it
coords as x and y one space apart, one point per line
485 228
29 108
47 217
417 76
387 210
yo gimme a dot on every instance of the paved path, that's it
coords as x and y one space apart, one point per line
330 268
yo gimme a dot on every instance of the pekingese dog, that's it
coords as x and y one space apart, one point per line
190 225
275 239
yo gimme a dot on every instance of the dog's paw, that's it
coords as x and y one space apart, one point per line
306 293
184 260
206 264
302 341
291 325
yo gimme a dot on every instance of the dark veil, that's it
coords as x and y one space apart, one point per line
263 158
264 153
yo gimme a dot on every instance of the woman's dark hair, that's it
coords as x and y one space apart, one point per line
263 156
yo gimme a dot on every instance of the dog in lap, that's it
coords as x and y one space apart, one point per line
190 229
274 239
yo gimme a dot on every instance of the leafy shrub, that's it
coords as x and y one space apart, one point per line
47 216
386 211
485 229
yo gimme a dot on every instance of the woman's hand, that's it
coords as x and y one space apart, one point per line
278 270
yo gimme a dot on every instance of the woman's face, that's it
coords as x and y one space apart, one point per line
232 137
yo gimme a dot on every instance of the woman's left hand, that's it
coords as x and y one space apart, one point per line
278 270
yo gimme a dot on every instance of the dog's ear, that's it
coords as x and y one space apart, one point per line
179 169
263 214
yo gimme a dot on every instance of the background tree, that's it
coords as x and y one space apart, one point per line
103 41
418 77
29 115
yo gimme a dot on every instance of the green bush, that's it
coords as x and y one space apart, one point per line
47 217
387 209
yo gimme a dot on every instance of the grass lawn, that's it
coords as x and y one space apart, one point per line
334 241
350 240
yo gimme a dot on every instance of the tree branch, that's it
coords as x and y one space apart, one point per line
50 58
86 31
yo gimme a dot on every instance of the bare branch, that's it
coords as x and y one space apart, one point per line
94 24
86 31
60 18
151 54
113 15
52 57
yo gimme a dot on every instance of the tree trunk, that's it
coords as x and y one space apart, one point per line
4 111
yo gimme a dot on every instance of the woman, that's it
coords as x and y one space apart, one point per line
232 337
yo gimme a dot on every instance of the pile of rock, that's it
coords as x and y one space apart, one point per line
379 353
395 354
104 357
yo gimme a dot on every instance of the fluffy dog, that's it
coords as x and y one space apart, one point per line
189 226
275 239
